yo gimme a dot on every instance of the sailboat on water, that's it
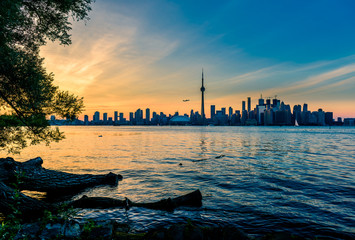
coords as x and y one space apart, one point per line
296 123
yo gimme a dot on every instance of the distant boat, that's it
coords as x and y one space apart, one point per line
296 123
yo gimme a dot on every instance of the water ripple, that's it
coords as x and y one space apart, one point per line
261 179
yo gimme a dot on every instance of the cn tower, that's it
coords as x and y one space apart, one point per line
203 102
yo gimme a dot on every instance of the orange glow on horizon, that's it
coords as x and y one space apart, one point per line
338 109
118 65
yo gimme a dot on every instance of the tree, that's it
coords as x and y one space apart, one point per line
27 93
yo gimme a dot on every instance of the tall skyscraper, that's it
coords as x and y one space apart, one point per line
105 117
249 104
213 111
274 102
243 106
115 117
203 102
230 112
305 107
138 116
96 117
223 111
261 100
147 115
131 118
329 118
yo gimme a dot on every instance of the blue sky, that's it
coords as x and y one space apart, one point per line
137 54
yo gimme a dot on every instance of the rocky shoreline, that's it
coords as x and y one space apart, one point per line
72 229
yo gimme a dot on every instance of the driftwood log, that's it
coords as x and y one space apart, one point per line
36 178
193 199
30 175
11 201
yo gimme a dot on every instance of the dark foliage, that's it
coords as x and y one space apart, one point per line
27 93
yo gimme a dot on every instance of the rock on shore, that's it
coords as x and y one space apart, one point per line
71 229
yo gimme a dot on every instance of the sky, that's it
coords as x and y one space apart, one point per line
150 54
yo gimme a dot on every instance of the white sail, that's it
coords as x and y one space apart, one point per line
296 123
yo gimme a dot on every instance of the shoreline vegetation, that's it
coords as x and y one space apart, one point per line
67 227
56 228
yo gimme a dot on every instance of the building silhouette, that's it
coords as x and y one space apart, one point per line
105 117
147 116
249 104
203 102
96 117
213 111
115 119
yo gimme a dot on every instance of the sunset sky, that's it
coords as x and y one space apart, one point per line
138 54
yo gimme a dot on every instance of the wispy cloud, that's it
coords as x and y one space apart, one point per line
317 80
148 55
105 61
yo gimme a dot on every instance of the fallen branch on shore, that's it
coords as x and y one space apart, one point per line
193 199
36 178
30 175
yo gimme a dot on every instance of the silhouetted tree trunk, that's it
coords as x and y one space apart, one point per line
12 202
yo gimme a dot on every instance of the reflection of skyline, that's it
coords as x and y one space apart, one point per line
132 56
203 143
261 167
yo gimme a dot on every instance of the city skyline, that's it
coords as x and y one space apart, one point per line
248 104
136 52
263 107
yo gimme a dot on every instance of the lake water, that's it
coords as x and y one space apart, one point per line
261 179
